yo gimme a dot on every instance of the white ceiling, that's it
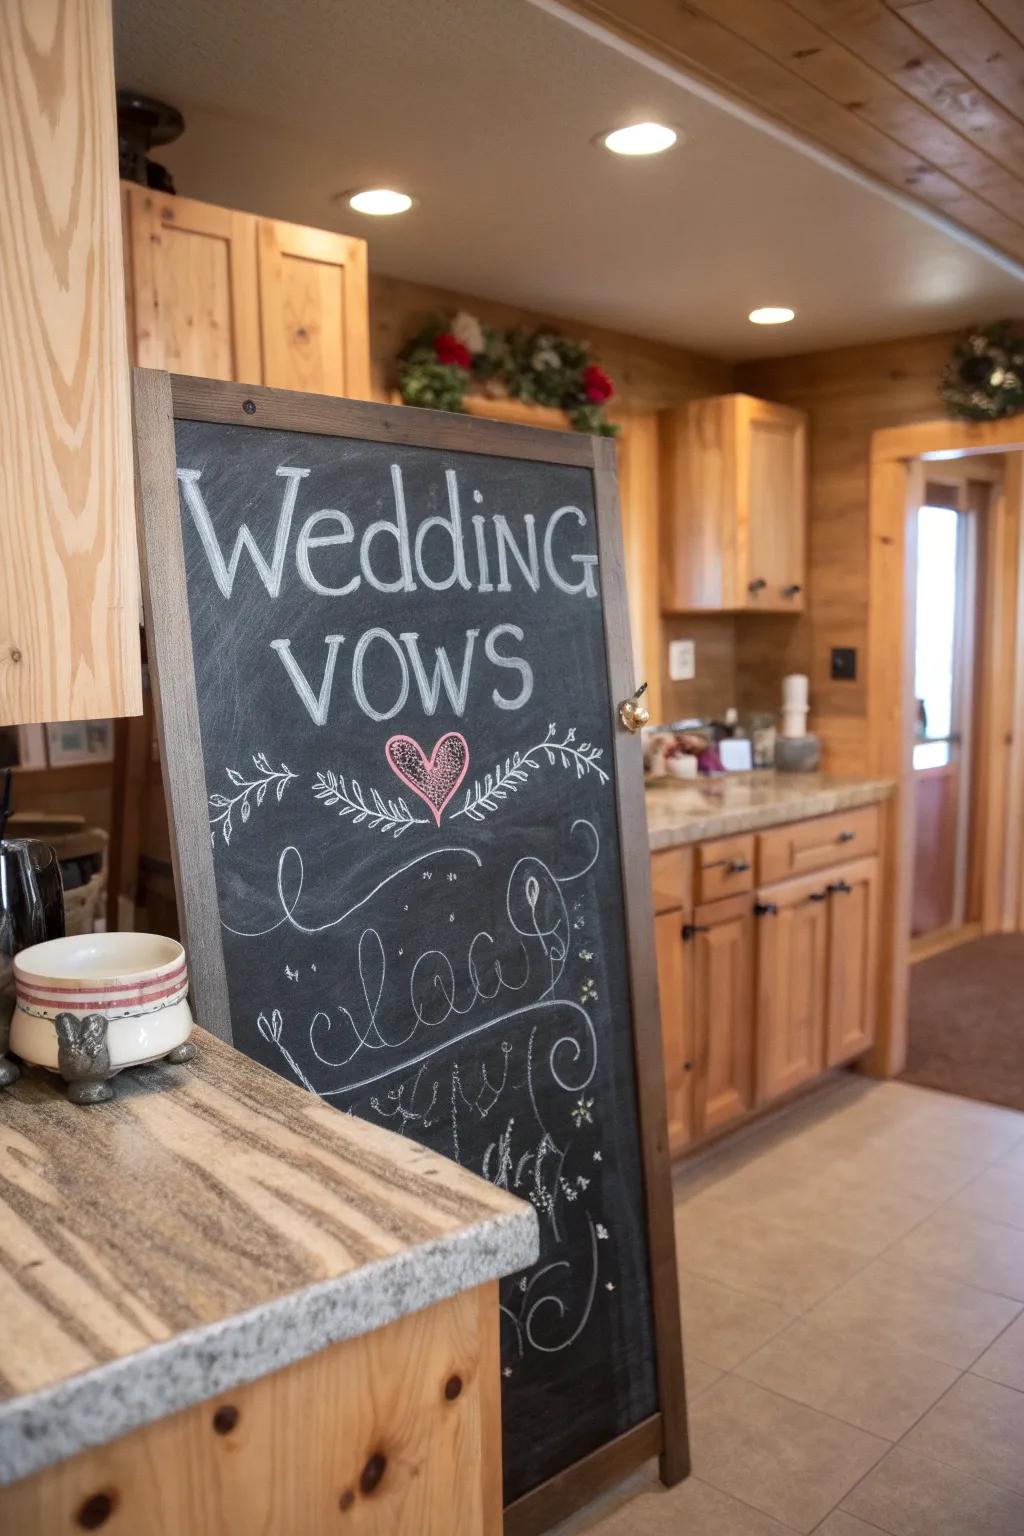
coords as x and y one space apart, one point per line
485 110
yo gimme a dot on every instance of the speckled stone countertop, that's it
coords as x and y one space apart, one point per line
210 1225
692 810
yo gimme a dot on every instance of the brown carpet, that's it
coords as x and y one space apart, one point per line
967 1021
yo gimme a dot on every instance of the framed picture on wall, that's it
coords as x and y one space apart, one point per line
79 741
22 746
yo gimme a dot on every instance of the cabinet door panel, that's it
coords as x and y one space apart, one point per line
723 951
193 303
792 955
852 959
676 1023
313 310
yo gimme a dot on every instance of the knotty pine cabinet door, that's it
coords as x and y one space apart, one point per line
313 310
852 959
733 506
792 984
720 942
192 286
675 991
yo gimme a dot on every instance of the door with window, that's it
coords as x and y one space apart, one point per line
948 557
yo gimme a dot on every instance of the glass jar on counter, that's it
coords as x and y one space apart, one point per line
762 738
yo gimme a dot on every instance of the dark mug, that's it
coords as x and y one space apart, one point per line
31 911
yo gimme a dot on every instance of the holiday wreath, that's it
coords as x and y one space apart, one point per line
449 359
984 377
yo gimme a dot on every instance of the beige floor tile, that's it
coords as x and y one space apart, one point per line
693 1508
908 1495
912 1308
867 1219
979 1428
749 1254
699 1375
870 1385
997 1193
968 1248
1014 1158
1004 1360
783 1459
722 1326
841 1524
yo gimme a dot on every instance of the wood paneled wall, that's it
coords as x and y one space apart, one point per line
69 606
848 393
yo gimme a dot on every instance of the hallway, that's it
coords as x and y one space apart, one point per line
854 1365
966 1018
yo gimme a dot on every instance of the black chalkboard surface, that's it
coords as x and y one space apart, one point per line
406 757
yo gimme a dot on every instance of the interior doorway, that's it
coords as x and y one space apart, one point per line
951 546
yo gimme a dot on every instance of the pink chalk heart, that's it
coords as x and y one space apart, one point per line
437 780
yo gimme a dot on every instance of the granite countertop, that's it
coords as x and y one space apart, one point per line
211 1224
691 810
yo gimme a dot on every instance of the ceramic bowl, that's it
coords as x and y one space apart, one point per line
137 982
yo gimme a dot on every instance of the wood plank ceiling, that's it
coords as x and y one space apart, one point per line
924 95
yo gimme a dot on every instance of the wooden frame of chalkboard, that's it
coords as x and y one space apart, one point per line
160 400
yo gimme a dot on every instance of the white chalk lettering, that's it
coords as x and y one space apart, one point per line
224 573
399 531
529 564
451 526
358 683
587 583
308 540
316 704
516 662
430 689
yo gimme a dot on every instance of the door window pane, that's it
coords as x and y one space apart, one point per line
936 631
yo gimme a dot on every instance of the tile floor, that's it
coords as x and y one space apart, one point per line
852 1277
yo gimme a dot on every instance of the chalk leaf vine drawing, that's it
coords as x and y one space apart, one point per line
381 815
250 791
487 793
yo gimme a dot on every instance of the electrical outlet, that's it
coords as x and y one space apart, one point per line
844 663
682 661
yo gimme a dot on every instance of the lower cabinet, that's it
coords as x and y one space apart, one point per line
675 991
792 986
852 960
720 939
763 990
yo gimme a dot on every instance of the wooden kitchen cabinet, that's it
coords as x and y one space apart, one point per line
675 990
193 289
852 960
792 984
722 941
733 506
226 295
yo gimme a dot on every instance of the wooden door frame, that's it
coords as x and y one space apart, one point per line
896 474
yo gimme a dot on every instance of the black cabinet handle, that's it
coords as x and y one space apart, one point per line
736 867
840 888
765 909
757 585
846 837
818 896
793 590
689 929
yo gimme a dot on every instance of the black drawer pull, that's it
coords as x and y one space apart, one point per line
765 909
840 888
846 837
737 867
758 585
818 896
793 590
689 929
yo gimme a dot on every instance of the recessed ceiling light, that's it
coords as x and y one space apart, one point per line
640 139
380 201
772 314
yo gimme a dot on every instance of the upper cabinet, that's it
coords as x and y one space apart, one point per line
226 295
733 502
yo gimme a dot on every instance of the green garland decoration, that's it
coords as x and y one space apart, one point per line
984 377
450 358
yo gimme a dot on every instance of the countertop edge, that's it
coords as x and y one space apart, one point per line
100 1405
726 823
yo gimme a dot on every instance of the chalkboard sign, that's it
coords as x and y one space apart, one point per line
389 646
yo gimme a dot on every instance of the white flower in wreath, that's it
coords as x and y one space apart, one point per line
467 329
545 357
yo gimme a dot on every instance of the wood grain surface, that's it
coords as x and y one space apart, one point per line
69 615
200 1192
394 1434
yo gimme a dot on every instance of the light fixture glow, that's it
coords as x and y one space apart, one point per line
381 202
772 314
640 139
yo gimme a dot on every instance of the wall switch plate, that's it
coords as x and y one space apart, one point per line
682 661
844 663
